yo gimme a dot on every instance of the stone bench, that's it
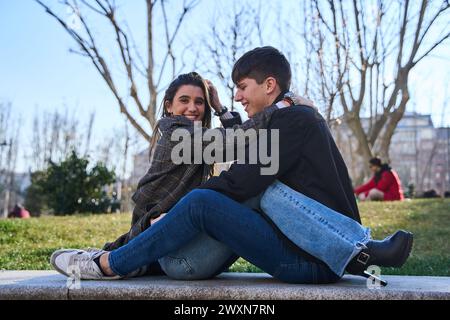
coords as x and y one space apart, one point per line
51 285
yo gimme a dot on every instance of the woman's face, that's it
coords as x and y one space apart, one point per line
189 101
374 168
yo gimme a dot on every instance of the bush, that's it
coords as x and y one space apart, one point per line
69 187
430 194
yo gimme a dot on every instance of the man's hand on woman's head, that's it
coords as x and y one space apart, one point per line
214 96
303 101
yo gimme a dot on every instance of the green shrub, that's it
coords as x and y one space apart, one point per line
69 187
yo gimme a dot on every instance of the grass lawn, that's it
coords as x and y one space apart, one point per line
28 244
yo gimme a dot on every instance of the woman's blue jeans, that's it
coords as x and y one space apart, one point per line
245 231
201 258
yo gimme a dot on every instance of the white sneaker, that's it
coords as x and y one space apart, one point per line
79 263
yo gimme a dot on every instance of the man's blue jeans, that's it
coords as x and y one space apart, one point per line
326 234
245 231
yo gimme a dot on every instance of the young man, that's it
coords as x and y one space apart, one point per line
311 189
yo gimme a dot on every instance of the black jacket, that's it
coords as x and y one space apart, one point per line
309 162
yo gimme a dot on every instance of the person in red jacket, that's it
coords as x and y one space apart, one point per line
19 212
385 185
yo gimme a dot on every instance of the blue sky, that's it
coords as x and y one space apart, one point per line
38 71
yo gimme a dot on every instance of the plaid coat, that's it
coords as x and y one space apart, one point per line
165 183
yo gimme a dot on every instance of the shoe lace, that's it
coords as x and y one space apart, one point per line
86 264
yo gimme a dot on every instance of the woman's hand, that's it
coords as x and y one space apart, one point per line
214 96
157 219
303 101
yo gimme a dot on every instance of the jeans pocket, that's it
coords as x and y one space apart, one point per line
175 267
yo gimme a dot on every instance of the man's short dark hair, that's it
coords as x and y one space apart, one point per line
261 63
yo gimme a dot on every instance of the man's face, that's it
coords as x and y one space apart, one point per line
253 96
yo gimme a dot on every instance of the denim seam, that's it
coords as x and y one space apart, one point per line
358 248
111 261
315 216
183 261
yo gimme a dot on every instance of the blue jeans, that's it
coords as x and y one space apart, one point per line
246 232
332 237
326 234
202 258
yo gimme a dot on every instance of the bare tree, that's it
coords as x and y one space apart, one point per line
115 152
127 146
231 36
89 134
437 145
365 51
132 62
105 153
316 68
55 134
5 125
9 146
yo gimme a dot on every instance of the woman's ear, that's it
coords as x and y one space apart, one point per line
168 106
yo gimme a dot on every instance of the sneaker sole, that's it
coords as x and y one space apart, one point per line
53 260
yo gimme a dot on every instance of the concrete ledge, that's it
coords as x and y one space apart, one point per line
51 285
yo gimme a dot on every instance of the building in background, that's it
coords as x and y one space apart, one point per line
141 163
441 162
412 150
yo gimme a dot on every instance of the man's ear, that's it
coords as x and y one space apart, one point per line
270 85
